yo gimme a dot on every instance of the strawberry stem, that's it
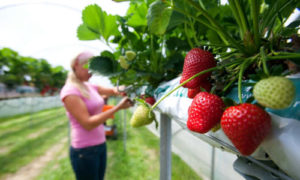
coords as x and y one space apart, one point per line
241 14
188 80
243 67
188 38
192 16
230 83
236 16
264 61
223 34
288 56
255 13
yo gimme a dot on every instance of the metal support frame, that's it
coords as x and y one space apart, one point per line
165 147
124 130
212 170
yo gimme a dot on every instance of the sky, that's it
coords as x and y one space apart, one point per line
47 29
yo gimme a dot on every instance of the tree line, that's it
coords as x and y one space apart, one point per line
17 70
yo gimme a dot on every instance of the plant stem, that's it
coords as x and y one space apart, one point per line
243 19
217 45
264 61
243 66
188 80
280 57
255 12
229 84
194 32
236 16
187 36
219 29
195 18
273 14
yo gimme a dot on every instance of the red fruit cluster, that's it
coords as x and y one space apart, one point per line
196 61
246 125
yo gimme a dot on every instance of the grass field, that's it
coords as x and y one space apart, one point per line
36 146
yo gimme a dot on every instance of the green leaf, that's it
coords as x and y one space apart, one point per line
93 17
176 19
213 37
99 22
101 65
158 17
110 28
107 54
84 33
138 15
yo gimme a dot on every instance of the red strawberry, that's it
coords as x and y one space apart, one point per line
203 84
205 112
150 100
246 125
196 61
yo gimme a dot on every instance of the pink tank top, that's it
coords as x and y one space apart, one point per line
80 137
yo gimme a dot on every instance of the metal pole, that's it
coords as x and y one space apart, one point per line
165 147
124 131
31 111
212 172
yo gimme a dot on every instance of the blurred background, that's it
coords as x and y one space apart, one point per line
47 29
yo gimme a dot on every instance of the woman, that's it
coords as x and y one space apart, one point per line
83 103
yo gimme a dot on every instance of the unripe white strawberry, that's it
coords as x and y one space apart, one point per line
130 55
142 116
123 62
274 92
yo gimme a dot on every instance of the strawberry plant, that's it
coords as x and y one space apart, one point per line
249 54
236 44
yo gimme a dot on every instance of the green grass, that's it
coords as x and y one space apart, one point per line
30 149
140 161
20 117
22 149
14 135
59 168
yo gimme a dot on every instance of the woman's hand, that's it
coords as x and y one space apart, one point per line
119 91
125 103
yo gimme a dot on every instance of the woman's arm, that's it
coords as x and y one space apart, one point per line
79 111
110 91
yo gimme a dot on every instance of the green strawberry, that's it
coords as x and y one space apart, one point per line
274 92
142 116
130 55
123 62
